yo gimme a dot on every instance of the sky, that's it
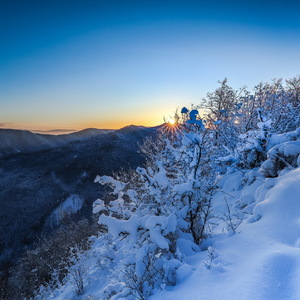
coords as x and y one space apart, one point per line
71 65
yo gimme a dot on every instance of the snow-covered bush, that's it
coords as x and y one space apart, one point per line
223 111
243 123
160 212
272 101
277 102
252 146
282 155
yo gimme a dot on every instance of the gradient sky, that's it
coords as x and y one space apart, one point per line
108 64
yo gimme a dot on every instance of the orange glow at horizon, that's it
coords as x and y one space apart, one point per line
60 128
148 114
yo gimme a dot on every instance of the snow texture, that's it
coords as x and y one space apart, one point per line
261 261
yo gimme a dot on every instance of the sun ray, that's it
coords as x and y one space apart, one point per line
171 128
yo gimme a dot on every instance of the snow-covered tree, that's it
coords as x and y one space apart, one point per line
160 212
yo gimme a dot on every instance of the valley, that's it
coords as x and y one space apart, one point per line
36 183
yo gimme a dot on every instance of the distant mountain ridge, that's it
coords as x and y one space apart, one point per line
23 141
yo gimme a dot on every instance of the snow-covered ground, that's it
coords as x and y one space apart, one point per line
252 250
262 260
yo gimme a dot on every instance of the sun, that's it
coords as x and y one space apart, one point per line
172 122
171 128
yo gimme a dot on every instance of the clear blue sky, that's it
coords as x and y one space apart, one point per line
107 64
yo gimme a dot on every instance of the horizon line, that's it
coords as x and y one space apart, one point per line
59 131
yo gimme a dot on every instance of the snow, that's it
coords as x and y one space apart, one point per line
261 261
193 114
119 186
183 272
287 149
286 154
158 239
116 226
70 206
184 110
252 250
161 177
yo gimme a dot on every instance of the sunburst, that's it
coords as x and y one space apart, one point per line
171 127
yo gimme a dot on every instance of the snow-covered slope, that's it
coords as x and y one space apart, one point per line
253 251
262 260
16 141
